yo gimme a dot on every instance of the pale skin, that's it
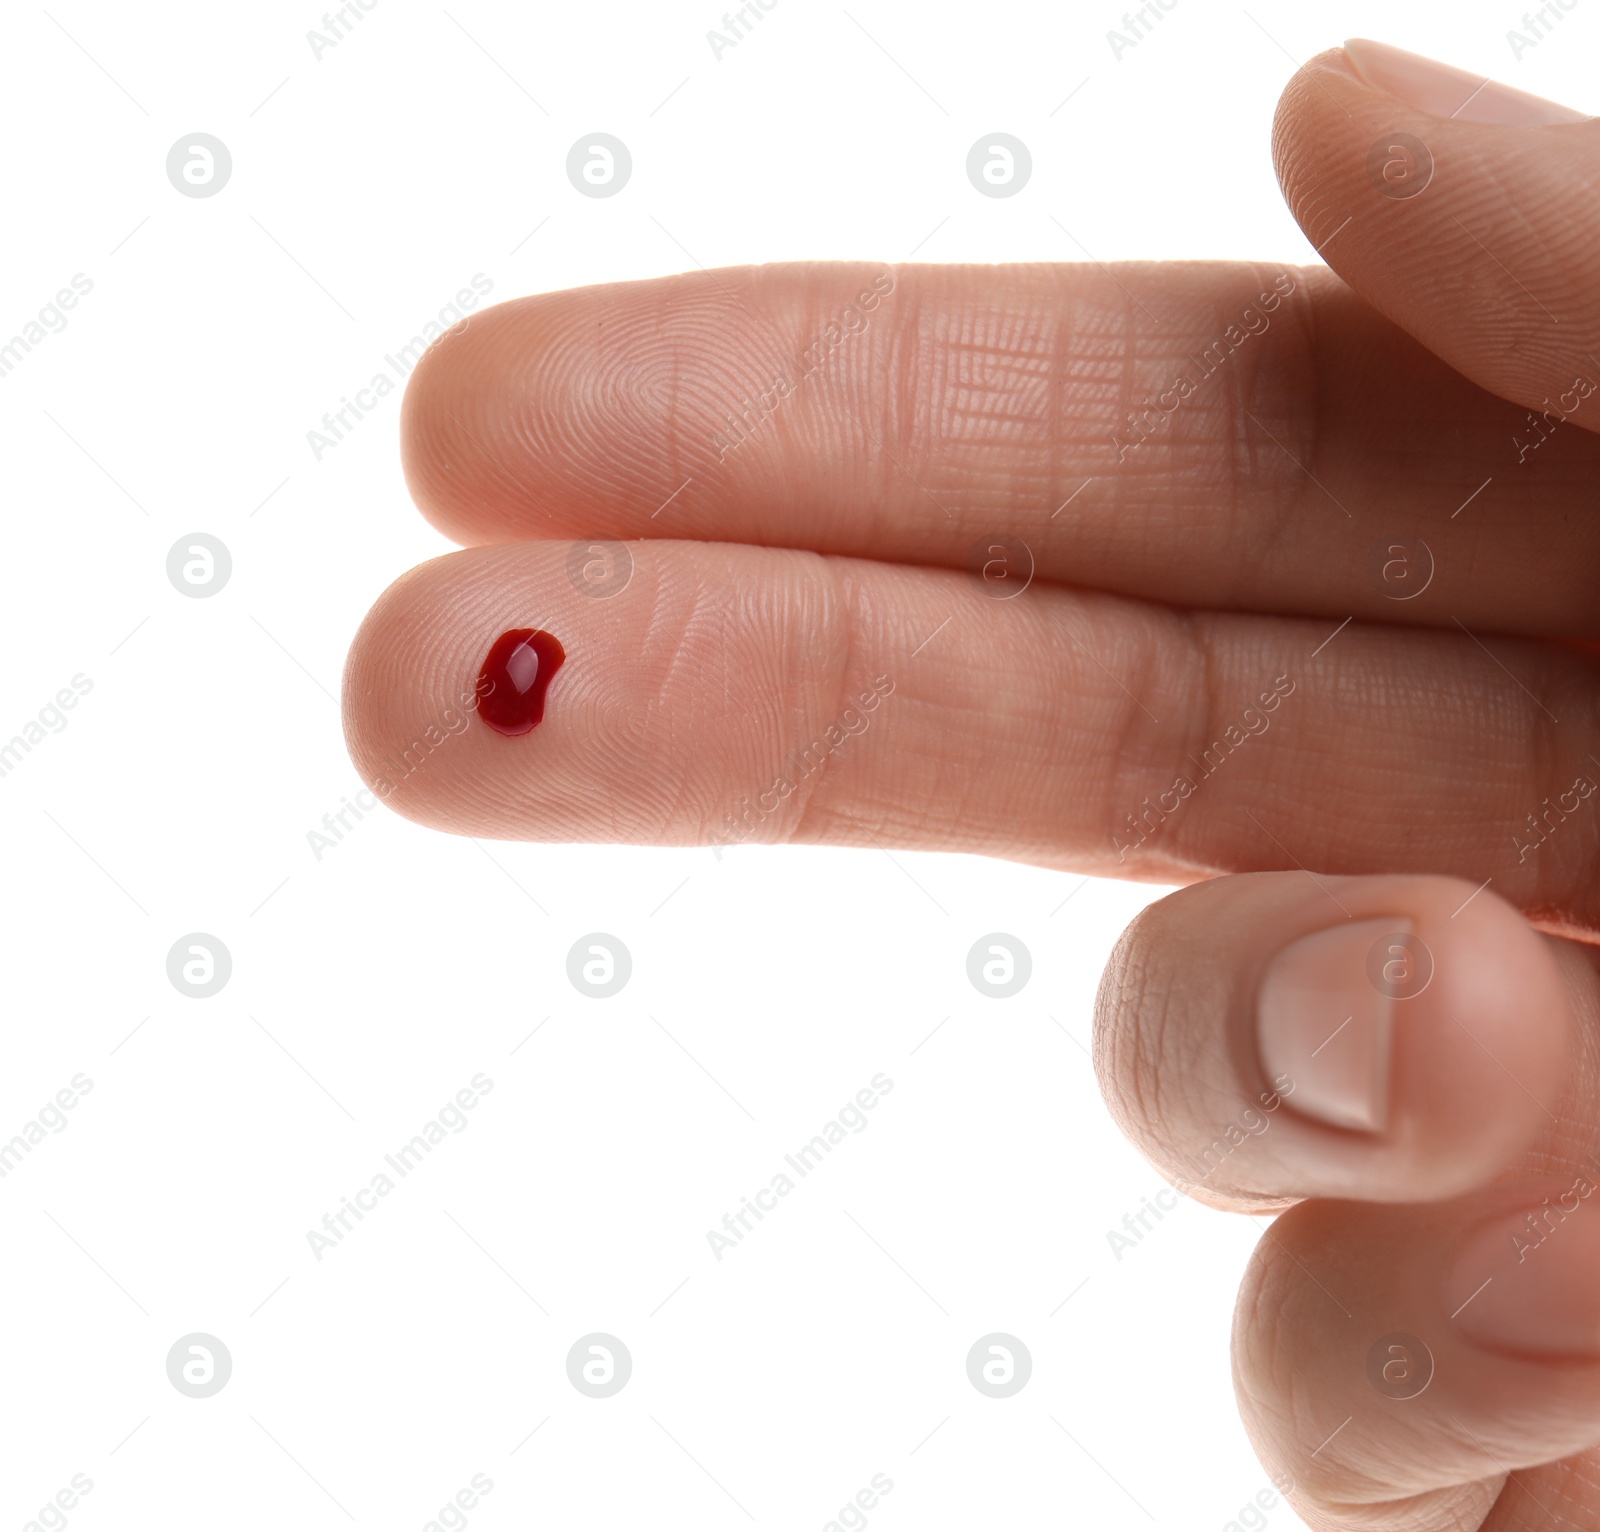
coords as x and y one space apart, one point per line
1424 391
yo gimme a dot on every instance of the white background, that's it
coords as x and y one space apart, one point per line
368 987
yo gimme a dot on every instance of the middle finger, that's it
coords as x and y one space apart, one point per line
1223 435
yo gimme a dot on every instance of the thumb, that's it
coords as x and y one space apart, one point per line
1462 209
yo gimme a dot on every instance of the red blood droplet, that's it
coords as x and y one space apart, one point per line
515 677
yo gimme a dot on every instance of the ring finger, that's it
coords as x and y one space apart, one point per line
738 693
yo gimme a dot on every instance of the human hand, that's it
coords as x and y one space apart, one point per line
1294 580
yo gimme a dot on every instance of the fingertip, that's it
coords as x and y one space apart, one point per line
1482 1042
464 398
388 665
1426 1032
1452 94
1418 182
1405 1038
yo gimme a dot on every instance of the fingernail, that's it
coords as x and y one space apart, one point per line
1435 88
1322 1021
1526 1282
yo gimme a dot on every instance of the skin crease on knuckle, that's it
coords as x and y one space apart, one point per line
1163 1072
1139 1065
1158 1063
